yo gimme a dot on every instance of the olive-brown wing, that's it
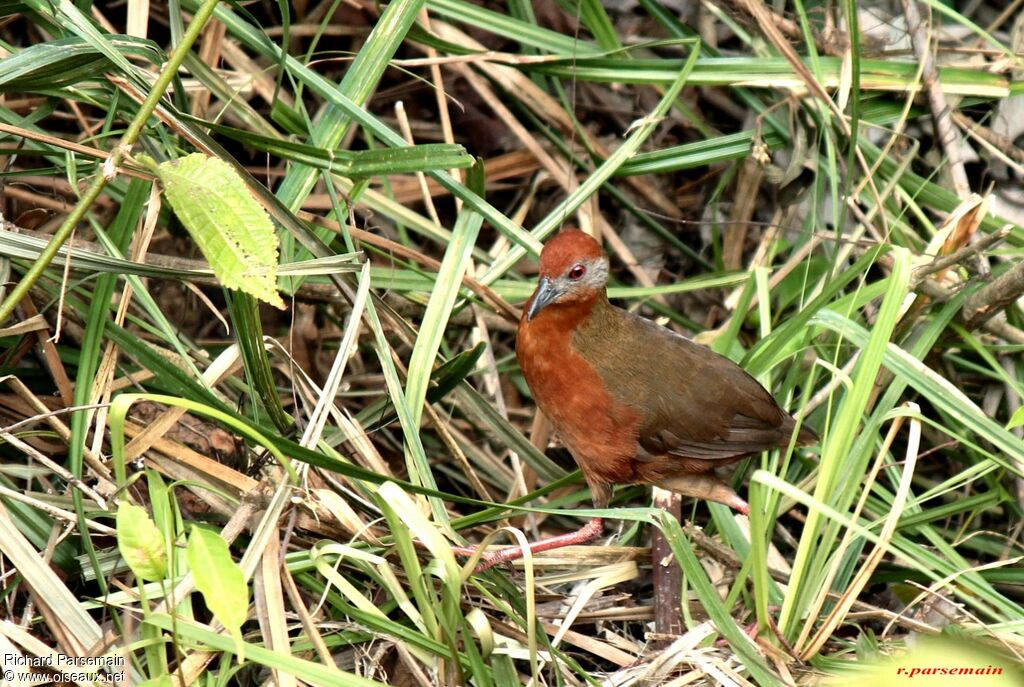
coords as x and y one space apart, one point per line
693 402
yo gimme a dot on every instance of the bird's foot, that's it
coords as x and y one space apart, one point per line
707 487
588 533
752 632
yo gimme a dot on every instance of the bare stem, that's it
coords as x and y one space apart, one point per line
109 171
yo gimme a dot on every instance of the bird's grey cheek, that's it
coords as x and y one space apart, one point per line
597 275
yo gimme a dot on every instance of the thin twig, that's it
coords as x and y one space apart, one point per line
947 134
939 293
403 124
994 297
1003 144
58 469
110 166
940 263
54 511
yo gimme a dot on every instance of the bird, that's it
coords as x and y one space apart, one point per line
632 401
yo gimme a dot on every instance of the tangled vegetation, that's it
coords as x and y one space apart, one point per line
198 486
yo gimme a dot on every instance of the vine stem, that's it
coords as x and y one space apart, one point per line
109 170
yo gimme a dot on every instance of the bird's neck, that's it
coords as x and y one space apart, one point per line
565 318
601 325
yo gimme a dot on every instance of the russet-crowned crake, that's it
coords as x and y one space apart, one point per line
632 401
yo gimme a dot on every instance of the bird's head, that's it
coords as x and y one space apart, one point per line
573 269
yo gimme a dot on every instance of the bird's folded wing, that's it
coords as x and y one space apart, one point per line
707 406
679 439
692 402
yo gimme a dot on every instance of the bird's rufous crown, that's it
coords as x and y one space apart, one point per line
567 248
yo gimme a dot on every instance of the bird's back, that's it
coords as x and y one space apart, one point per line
694 404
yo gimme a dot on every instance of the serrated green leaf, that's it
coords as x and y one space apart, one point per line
141 543
232 230
219 579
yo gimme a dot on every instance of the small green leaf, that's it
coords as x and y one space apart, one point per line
220 580
232 229
141 543
1017 420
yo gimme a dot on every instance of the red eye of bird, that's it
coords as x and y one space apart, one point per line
577 272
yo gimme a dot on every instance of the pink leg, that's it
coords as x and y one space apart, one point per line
751 631
589 532
708 487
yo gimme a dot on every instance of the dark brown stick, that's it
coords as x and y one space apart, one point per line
666 573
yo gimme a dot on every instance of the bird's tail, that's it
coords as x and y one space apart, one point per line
807 436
